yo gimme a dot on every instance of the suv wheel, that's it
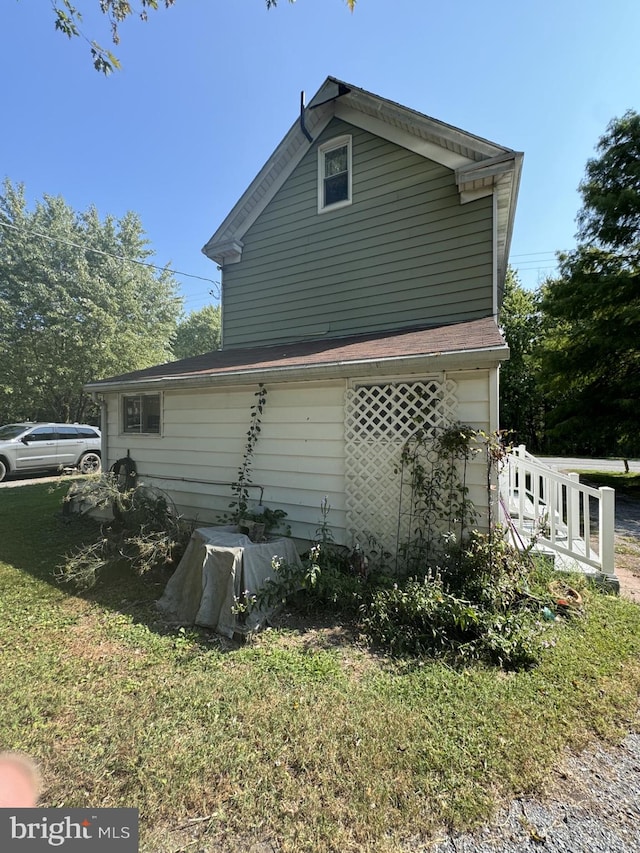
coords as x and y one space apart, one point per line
90 463
3 470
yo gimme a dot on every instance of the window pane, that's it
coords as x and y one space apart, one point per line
142 414
85 432
42 434
132 414
335 161
67 433
336 189
151 409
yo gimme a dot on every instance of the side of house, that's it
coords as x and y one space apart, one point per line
362 272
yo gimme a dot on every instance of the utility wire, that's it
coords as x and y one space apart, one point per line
109 254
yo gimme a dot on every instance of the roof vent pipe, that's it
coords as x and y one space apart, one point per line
302 127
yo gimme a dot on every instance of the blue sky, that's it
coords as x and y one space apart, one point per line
209 87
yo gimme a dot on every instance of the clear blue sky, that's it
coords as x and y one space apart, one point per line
209 87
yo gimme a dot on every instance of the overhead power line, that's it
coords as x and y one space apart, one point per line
86 248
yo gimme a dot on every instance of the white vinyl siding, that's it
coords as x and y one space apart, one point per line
299 456
474 390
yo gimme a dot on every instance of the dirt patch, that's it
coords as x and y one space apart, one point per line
628 566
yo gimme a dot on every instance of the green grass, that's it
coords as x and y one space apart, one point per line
317 748
625 484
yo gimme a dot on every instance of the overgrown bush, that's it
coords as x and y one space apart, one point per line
478 606
324 580
146 531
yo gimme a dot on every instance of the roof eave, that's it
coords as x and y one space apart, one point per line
420 363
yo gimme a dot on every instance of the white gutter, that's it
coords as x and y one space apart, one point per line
423 363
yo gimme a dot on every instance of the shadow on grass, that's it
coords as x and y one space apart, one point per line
34 539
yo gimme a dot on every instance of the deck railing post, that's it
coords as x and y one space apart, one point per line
573 508
607 528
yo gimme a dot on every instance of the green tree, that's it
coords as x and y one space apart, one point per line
591 313
68 20
198 333
521 402
72 308
610 191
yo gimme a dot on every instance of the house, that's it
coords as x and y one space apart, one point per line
362 273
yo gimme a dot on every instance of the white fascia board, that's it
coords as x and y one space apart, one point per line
481 170
447 135
494 255
379 127
469 359
267 182
472 195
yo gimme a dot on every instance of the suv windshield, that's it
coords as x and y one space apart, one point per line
11 431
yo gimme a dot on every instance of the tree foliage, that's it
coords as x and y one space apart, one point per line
72 309
591 334
521 403
68 20
611 188
198 333
591 353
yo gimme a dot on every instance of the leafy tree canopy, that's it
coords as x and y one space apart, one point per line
198 333
611 188
591 341
68 20
521 406
72 309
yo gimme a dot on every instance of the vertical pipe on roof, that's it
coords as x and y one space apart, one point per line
302 125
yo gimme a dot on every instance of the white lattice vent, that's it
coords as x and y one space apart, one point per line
379 419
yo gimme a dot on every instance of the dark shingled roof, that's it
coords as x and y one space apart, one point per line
460 337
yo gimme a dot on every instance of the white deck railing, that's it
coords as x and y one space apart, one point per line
558 512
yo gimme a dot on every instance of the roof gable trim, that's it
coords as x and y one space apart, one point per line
427 137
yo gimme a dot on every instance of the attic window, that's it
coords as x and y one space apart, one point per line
334 174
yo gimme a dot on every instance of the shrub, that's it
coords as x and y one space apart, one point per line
477 605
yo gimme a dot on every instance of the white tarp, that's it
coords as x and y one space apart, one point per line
217 568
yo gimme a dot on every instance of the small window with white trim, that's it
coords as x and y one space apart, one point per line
334 174
141 414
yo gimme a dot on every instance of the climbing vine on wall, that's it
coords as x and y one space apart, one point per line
240 488
434 473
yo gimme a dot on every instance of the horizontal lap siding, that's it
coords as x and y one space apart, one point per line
473 392
405 252
298 459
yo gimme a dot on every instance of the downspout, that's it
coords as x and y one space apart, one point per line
104 421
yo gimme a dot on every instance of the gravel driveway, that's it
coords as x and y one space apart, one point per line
593 807
593 804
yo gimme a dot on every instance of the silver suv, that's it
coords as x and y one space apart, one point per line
38 447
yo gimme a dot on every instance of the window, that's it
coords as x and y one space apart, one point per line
87 432
141 413
42 434
68 433
334 174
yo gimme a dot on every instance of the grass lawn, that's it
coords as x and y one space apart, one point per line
624 484
311 745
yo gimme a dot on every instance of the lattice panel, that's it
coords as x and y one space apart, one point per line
379 419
